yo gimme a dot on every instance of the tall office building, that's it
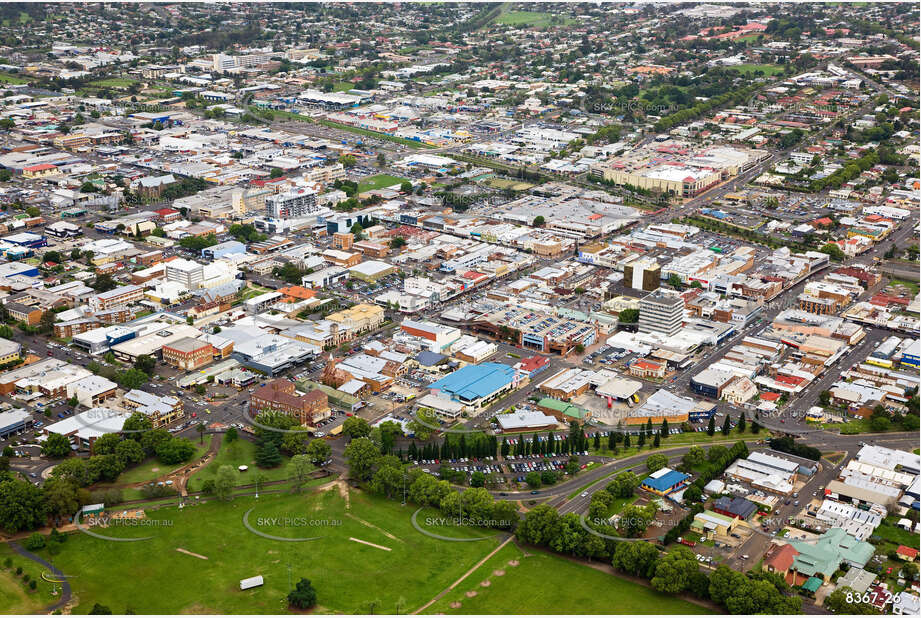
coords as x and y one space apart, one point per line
293 204
185 272
661 312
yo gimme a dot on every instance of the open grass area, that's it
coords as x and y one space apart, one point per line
15 595
505 183
684 439
532 19
9 78
378 181
547 584
767 69
151 468
913 286
890 532
115 82
346 574
235 454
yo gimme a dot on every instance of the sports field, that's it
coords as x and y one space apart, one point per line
378 181
347 574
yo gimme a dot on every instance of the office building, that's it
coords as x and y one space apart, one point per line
661 312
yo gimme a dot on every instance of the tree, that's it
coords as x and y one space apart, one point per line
540 526
637 559
276 173
100 610
224 482
539 221
61 498
34 542
132 378
299 469
675 281
694 457
362 455
741 424
231 435
845 600
174 450
656 462
303 596
129 452
145 363
693 494
477 479
879 423
623 485
533 479
74 470
137 423
267 455
106 444
406 187
635 519
105 467
23 506
673 570
56 446
356 427
833 251
200 428
397 242
318 451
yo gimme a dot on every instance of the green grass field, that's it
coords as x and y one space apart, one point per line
235 454
531 19
346 574
890 532
768 69
15 595
378 181
548 584
375 134
115 82
8 78
151 468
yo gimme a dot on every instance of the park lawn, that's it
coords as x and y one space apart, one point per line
235 454
151 468
530 19
768 69
15 595
8 78
343 86
378 181
524 589
345 573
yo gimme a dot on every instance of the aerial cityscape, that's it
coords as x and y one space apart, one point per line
460 308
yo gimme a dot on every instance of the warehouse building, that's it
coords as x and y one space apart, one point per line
477 385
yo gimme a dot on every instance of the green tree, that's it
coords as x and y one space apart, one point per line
56 446
174 450
22 506
129 452
224 482
540 526
356 427
318 451
106 444
694 457
145 363
299 469
61 498
362 455
673 570
711 426
656 462
267 455
304 596
539 221
533 479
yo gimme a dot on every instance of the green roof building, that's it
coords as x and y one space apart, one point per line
562 410
824 556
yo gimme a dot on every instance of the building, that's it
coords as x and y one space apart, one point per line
119 297
664 481
24 313
525 420
92 391
779 559
438 337
14 421
563 412
279 396
343 240
734 507
645 368
712 524
160 410
822 557
186 273
9 351
83 428
295 204
477 385
642 274
188 354
371 271
661 312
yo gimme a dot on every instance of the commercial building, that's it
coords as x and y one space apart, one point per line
119 297
438 337
186 273
643 274
477 385
188 354
14 421
83 428
160 410
371 271
664 481
661 312
295 204
525 420
92 391
279 396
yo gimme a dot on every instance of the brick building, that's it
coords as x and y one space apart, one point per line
279 395
188 354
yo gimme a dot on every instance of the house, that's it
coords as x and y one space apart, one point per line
908 554
713 524
906 604
822 557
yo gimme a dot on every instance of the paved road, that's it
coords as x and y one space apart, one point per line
65 584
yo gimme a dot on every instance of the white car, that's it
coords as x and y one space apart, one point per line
584 493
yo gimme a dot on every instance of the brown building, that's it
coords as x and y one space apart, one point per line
279 395
372 249
188 354
343 240
23 313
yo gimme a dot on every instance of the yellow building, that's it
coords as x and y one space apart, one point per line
9 351
358 319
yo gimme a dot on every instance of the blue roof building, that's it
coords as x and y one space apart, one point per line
664 481
476 385
221 249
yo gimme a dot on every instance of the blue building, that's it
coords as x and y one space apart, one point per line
664 481
219 250
476 385
27 239
911 353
